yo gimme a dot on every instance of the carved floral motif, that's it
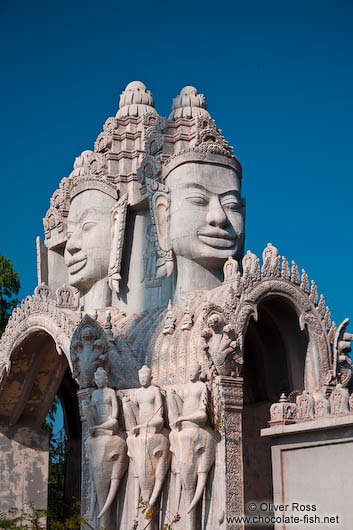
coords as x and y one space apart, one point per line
339 400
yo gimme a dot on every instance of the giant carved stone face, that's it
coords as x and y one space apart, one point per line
206 221
88 238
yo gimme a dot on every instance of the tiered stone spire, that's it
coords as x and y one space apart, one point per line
189 104
136 100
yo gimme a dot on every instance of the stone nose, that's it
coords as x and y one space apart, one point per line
216 215
74 243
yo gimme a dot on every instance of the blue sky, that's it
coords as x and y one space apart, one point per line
278 79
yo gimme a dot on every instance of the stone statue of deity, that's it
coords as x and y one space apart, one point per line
191 442
199 220
148 443
106 448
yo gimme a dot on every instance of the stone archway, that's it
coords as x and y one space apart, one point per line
37 369
275 352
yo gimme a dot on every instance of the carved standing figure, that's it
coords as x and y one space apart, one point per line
148 444
191 442
106 448
220 343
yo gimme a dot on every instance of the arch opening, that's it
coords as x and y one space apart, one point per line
64 483
275 359
38 373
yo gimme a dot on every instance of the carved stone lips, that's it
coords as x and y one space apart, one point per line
75 265
217 238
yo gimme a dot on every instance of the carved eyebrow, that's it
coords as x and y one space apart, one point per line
85 213
194 185
203 188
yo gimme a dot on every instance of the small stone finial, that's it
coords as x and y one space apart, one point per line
230 269
189 104
283 412
135 100
313 292
295 278
304 284
283 398
169 323
108 326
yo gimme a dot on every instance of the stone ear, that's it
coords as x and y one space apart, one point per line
117 232
161 212
160 204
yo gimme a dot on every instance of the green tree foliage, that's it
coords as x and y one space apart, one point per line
9 287
57 456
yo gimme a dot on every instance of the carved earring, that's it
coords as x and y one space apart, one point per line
158 195
118 223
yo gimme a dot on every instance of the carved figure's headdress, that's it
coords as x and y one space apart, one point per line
145 370
189 135
111 167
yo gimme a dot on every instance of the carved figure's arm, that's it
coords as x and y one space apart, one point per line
130 413
199 415
89 411
156 420
114 403
175 405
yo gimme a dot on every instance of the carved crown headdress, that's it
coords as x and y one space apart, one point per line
111 167
189 135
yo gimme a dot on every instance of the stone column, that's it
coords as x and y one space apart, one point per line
230 395
85 474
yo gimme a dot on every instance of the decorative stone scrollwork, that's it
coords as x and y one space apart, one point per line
103 142
305 406
37 311
322 406
89 350
52 220
304 284
43 292
339 400
251 270
230 270
285 272
110 124
271 263
187 320
169 322
283 412
67 297
350 401
295 278
313 293
342 363
321 306
209 138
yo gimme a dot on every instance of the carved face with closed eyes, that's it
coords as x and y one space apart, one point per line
88 244
206 222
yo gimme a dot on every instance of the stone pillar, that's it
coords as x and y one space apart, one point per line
230 395
24 450
85 474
